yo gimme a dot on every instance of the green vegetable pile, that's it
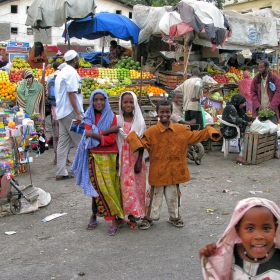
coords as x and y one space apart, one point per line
270 113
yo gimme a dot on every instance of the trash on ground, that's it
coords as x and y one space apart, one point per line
229 181
53 216
225 191
209 210
10 232
225 213
255 192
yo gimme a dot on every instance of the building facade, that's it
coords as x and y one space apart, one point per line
13 16
251 5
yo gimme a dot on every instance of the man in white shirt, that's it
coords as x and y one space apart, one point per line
69 106
191 91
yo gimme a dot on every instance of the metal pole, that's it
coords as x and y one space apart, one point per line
66 27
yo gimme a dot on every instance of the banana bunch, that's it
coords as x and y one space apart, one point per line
83 63
19 64
213 70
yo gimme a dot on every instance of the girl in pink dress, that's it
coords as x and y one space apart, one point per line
132 167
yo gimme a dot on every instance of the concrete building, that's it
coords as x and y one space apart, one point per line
251 5
13 16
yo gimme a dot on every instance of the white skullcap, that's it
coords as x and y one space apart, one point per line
69 55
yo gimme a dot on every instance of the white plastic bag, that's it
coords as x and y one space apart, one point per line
233 146
272 126
208 117
259 127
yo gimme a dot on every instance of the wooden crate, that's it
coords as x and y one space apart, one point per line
170 79
210 145
259 147
150 121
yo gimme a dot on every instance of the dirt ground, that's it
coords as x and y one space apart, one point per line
63 249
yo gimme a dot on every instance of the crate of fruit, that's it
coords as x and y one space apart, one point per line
259 147
170 79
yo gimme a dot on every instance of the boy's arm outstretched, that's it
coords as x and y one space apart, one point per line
200 135
136 143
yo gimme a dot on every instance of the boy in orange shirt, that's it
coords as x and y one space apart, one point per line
167 144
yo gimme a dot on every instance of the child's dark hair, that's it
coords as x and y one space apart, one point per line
164 102
125 93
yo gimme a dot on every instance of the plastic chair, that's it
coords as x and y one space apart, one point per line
226 141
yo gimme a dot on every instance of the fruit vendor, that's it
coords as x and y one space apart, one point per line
191 90
37 56
112 51
30 94
265 93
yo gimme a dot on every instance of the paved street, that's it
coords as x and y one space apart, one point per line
62 249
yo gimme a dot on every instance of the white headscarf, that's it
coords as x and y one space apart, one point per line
138 123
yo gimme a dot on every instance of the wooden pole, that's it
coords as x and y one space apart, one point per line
102 54
278 60
186 47
141 79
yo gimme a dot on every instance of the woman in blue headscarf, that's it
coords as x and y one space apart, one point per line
95 163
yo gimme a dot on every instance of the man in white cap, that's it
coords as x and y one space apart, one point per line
69 106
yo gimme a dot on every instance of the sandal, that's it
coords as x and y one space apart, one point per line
113 231
145 224
92 225
132 225
68 162
176 222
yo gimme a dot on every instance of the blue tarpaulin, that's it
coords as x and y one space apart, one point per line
104 24
94 57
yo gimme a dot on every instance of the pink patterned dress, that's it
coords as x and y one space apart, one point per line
133 186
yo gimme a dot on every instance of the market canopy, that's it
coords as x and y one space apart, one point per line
248 31
54 13
104 24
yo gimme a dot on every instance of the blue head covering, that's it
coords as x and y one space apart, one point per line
80 163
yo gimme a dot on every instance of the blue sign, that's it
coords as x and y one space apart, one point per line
18 44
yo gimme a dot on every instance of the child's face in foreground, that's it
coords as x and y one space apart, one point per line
257 230
127 104
99 102
164 113
177 99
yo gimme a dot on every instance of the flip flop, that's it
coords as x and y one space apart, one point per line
92 225
113 231
64 177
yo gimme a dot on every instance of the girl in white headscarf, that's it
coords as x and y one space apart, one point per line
132 167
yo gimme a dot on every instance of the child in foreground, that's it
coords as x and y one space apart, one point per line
95 163
249 247
167 144
132 167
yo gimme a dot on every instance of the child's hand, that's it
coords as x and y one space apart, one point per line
88 133
113 129
138 166
208 250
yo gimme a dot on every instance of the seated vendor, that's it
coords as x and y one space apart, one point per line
112 51
37 56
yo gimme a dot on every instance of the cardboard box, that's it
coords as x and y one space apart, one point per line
170 79
206 52
259 147
176 68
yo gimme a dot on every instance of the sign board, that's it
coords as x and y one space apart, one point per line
16 49
13 55
18 44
